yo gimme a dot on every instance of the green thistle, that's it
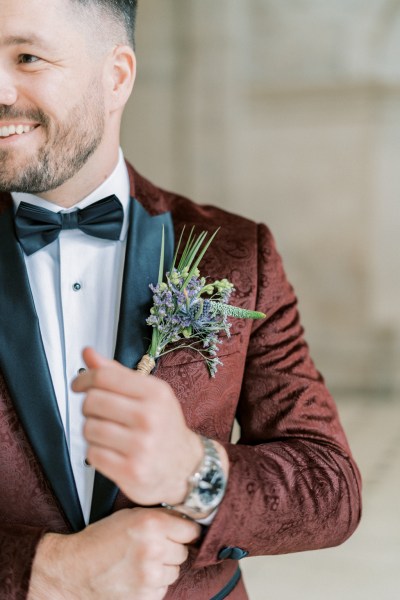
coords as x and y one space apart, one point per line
228 310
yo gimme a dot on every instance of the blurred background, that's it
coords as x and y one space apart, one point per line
288 111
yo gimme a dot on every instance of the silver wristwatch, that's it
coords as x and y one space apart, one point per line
206 486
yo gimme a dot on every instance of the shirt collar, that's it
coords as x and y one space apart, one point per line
117 183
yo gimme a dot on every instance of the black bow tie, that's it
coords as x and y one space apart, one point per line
36 227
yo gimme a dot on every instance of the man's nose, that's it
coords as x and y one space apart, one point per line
8 91
8 97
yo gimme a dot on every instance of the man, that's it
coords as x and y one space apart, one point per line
96 443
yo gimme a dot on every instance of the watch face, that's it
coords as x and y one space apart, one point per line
211 486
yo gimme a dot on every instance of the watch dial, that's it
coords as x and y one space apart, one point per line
211 486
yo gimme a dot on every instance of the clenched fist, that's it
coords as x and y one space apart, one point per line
134 554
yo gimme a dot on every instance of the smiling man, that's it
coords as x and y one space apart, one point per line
90 448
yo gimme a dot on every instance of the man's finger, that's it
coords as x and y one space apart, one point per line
114 408
110 435
93 359
175 554
108 462
113 377
181 530
168 576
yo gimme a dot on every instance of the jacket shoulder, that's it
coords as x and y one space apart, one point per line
186 212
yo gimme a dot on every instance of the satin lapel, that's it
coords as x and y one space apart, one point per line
141 269
25 369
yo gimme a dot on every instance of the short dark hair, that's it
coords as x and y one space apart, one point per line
123 11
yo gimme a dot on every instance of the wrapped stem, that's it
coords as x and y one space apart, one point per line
146 364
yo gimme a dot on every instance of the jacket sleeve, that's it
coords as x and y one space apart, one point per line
17 550
293 484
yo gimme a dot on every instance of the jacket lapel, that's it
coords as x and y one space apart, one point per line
25 369
141 269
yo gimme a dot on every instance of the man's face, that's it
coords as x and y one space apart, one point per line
52 108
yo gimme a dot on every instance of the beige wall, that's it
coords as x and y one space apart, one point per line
289 112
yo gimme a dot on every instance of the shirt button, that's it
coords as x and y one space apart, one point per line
76 287
81 370
86 463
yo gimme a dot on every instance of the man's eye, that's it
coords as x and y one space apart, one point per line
27 59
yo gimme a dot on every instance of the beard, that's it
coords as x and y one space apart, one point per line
69 145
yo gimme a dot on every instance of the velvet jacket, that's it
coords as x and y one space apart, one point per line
293 484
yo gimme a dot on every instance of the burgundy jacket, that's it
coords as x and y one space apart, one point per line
293 484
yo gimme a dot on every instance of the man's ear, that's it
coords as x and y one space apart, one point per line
121 73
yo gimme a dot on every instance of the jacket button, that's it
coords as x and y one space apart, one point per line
233 552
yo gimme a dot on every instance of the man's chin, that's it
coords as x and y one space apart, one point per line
20 184
31 183
22 174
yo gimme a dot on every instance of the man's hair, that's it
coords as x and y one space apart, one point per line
123 12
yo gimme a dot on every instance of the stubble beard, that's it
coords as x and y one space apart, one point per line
68 147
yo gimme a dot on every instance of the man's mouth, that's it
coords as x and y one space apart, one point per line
15 129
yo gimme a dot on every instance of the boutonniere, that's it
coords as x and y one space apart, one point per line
188 311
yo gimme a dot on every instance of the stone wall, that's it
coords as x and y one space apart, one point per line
289 111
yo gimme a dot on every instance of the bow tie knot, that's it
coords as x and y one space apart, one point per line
37 227
70 220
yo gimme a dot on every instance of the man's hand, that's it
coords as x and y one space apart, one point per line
136 432
134 553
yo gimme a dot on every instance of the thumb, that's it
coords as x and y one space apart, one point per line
93 359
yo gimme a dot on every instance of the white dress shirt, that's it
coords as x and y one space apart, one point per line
76 285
